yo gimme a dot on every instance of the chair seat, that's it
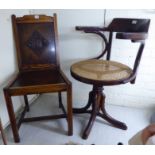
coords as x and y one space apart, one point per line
103 71
38 78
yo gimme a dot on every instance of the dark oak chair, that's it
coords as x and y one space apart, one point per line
99 73
36 40
2 133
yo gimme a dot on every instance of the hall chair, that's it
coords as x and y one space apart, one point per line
36 42
99 73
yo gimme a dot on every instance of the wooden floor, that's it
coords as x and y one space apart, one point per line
55 132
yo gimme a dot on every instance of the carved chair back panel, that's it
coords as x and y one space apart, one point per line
36 45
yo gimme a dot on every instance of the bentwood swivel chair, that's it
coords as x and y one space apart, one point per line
99 73
36 40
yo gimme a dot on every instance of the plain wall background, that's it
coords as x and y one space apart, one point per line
75 45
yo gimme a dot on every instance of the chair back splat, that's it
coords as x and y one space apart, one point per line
36 42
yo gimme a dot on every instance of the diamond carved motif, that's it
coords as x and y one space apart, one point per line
37 42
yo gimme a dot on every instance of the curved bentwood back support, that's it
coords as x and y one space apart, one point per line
132 29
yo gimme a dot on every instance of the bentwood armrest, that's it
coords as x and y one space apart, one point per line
98 31
90 28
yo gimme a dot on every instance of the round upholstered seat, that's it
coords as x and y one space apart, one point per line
100 71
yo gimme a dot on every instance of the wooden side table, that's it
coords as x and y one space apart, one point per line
2 133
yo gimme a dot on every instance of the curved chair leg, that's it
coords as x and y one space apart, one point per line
84 109
108 118
26 103
90 122
97 100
